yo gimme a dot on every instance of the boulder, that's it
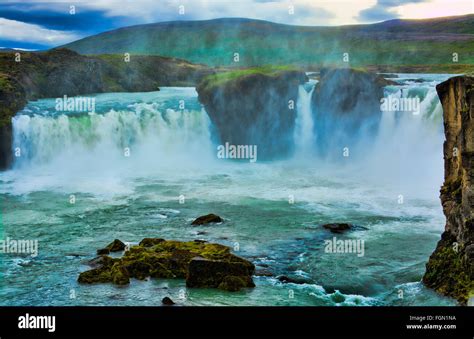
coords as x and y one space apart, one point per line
227 275
207 219
167 301
103 251
255 106
338 227
291 280
116 246
202 264
109 270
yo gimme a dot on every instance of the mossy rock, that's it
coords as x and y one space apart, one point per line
114 246
148 242
202 264
216 274
452 190
448 272
109 270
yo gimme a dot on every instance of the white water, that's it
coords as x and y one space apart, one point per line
143 134
304 120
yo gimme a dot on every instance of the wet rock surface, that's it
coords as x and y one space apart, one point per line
338 227
450 269
202 264
207 219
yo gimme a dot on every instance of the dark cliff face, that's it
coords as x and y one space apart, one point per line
63 72
255 109
12 99
346 108
450 269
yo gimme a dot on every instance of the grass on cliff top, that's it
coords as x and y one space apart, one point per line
5 83
225 76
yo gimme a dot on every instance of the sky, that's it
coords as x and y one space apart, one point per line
33 24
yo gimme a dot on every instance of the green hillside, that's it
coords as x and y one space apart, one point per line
214 42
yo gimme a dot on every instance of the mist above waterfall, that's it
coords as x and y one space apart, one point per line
394 146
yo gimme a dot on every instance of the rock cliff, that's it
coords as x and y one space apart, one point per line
254 107
450 269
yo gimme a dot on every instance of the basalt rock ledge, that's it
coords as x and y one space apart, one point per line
450 269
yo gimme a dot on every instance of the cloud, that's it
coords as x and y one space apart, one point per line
307 12
59 17
24 32
384 10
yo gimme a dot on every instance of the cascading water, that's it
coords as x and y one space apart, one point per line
172 155
147 132
409 142
303 135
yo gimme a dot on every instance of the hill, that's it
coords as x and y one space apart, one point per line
214 42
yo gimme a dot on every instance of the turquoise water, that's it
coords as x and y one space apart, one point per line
172 154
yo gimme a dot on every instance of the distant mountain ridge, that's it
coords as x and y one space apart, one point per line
215 42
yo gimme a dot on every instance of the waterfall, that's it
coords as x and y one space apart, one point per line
303 135
146 133
408 146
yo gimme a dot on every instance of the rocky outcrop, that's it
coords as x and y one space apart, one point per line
450 269
114 246
207 219
62 72
254 107
12 99
338 227
201 264
346 106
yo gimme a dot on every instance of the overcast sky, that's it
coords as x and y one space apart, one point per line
33 24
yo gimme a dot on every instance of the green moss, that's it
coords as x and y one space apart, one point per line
452 189
447 272
221 78
159 258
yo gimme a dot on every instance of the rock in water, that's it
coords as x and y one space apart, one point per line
285 279
202 265
103 251
167 301
450 269
207 219
338 227
114 246
230 276
254 107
